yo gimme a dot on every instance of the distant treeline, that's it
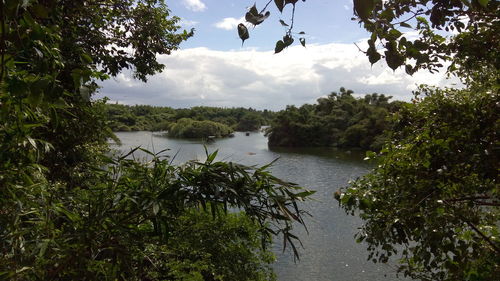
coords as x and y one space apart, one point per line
153 118
339 120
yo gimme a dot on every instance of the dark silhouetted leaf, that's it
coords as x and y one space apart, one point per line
280 45
243 33
288 40
280 4
363 8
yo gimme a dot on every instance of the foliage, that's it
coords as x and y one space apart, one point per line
152 118
337 120
223 248
50 53
68 211
434 196
189 128
136 221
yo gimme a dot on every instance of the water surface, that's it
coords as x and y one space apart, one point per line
330 252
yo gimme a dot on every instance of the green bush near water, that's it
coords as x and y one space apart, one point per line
189 128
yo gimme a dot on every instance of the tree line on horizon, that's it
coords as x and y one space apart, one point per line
337 120
156 118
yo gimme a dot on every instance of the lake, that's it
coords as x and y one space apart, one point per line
330 252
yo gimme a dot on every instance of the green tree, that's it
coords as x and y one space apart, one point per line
189 128
68 211
337 120
433 198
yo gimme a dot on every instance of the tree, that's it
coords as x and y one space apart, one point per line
69 211
189 128
433 198
338 120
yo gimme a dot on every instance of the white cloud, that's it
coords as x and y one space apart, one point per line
229 23
259 79
194 5
188 23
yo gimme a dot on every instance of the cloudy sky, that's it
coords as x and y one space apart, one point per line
213 69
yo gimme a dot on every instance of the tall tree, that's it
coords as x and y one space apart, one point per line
433 199
68 211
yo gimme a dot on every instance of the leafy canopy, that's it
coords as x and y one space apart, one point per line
69 211
434 197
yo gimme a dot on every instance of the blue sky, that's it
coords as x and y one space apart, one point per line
324 21
213 69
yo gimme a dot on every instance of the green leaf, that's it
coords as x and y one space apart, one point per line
404 24
373 55
86 58
393 34
363 8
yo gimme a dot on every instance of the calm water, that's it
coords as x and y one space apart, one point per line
330 252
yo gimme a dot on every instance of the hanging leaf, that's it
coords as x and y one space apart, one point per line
363 8
280 4
254 10
393 35
302 33
283 23
404 24
280 45
409 69
256 19
243 33
373 55
253 16
302 41
393 59
287 40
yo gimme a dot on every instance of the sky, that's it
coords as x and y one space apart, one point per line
213 68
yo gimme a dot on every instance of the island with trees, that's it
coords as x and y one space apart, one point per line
215 121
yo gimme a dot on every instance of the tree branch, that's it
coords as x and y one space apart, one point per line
265 7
